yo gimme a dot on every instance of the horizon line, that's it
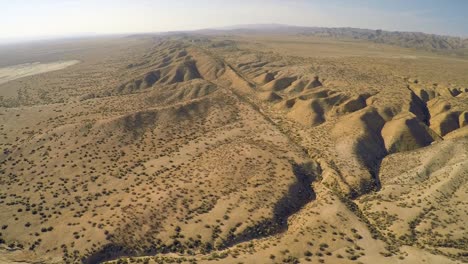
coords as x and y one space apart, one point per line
30 39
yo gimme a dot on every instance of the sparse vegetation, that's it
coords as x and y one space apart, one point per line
191 149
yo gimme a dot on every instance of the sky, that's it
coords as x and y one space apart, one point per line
29 19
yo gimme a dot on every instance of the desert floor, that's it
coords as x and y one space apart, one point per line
189 148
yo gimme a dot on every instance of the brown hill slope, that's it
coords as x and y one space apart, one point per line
199 150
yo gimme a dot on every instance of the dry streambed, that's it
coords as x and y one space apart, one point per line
14 72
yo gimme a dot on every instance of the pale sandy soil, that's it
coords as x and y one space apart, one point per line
11 73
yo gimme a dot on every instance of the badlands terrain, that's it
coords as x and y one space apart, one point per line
235 147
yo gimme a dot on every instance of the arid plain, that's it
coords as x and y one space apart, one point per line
232 148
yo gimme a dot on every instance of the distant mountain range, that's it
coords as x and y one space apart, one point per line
416 40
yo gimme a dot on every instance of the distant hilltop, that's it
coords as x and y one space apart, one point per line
416 40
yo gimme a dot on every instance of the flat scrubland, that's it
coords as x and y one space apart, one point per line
227 148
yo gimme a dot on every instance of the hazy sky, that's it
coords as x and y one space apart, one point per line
45 18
